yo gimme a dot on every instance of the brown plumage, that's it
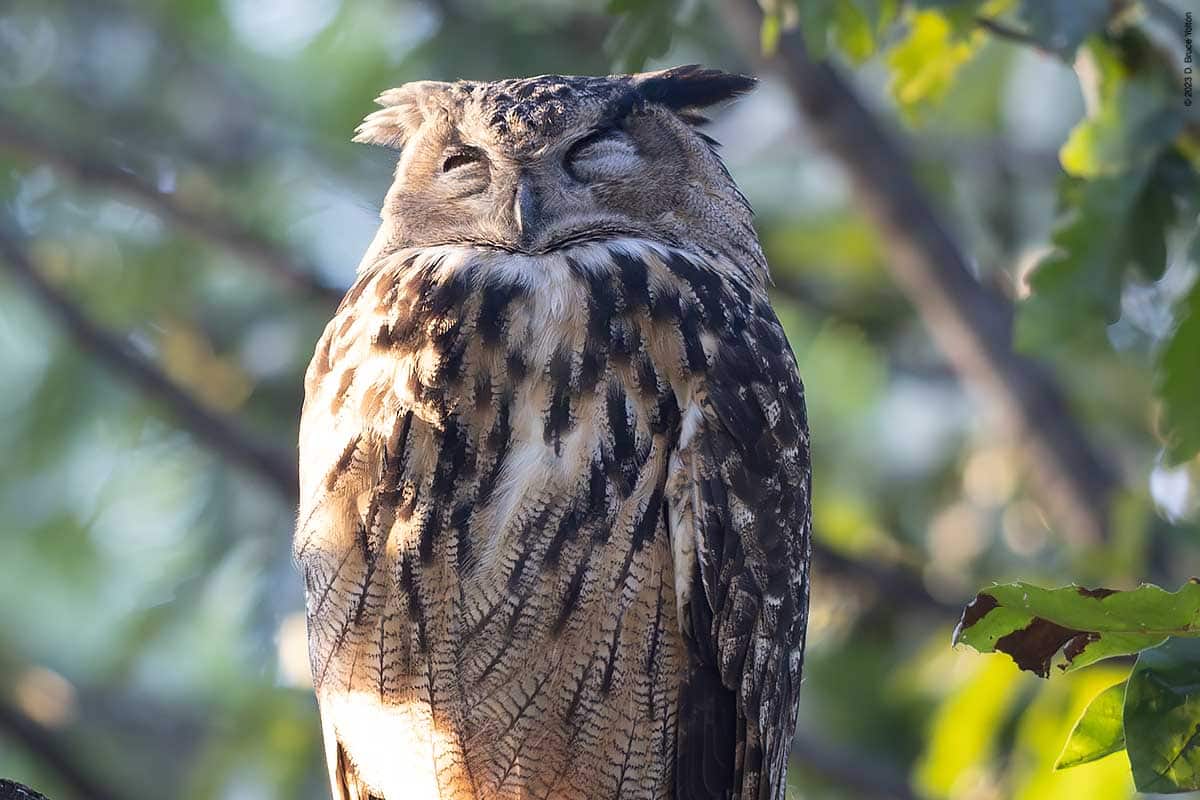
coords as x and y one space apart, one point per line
554 460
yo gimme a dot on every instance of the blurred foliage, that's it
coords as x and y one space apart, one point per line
1155 714
925 62
150 616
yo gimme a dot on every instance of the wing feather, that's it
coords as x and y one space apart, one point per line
367 450
744 475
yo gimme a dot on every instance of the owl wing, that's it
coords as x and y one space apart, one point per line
740 525
361 442
338 466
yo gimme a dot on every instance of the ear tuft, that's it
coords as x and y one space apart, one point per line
403 112
691 86
389 127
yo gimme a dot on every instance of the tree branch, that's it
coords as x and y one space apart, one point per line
972 325
91 170
210 429
54 753
895 586
1165 13
1002 31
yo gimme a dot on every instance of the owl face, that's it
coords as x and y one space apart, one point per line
534 165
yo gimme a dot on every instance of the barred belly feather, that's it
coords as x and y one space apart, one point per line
554 527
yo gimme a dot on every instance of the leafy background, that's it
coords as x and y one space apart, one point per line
179 172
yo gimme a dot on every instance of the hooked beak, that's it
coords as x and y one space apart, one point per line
527 212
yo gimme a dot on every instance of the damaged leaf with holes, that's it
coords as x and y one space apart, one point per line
1075 626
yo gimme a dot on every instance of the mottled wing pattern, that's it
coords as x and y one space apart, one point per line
741 498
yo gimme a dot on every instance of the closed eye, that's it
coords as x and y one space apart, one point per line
605 153
595 137
461 157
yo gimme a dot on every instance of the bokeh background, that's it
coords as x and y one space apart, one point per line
180 208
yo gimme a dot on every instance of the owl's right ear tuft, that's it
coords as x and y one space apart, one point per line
404 109
691 86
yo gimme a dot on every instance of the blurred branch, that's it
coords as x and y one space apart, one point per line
895 587
972 324
91 170
210 429
53 753
787 286
1002 31
851 770
1165 13
989 152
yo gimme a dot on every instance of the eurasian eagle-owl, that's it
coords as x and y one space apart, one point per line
554 464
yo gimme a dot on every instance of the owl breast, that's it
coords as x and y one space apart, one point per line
492 590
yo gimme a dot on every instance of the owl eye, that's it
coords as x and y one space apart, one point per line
606 153
461 157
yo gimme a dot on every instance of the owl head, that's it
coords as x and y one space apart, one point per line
534 165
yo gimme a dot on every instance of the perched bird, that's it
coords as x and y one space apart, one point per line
554 466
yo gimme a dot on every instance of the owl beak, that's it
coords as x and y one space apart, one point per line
527 212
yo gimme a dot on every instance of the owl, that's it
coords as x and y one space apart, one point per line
554 459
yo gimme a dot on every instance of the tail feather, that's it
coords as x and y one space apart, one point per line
344 782
710 736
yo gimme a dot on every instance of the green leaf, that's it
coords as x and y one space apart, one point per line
1099 731
1062 25
768 34
1078 284
853 33
1033 625
1039 735
879 13
1111 224
642 31
1178 378
960 14
1149 223
926 62
1128 131
1162 718
816 18
854 27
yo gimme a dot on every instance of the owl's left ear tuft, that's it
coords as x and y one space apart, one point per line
691 86
404 109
